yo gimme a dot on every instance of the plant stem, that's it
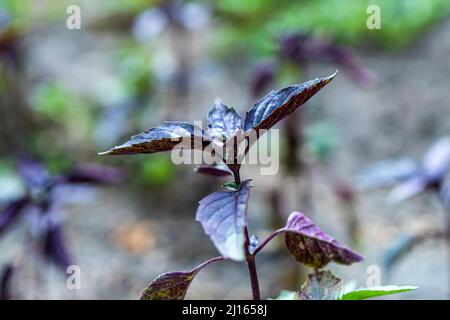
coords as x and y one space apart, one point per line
253 277
251 264
249 256
237 177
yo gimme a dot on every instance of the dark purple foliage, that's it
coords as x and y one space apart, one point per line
5 282
276 105
311 246
302 49
38 204
163 138
223 121
218 170
173 285
55 249
35 175
263 77
11 212
223 216
94 173
411 179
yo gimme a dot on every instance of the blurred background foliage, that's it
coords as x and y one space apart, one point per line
67 95
246 29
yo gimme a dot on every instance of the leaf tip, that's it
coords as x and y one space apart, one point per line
330 77
104 153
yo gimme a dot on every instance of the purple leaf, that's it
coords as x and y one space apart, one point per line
55 249
163 138
321 285
223 217
408 189
311 246
262 77
436 160
94 173
12 211
34 174
387 173
302 48
173 285
278 104
344 58
5 282
218 170
223 121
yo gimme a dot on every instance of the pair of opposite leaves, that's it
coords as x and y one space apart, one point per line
224 122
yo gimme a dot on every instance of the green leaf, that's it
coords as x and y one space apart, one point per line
233 186
366 293
321 285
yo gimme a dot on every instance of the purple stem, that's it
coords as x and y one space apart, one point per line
250 257
267 240
208 262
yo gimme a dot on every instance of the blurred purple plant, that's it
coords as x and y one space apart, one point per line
409 178
6 274
301 49
38 204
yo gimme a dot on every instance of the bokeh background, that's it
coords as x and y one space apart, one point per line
66 95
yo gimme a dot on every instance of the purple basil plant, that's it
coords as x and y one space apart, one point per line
301 49
408 179
38 204
223 214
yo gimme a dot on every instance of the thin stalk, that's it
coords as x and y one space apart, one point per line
249 256
237 177
251 264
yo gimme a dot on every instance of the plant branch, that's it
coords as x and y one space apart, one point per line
237 177
208 262
267 240
250 257
251 264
